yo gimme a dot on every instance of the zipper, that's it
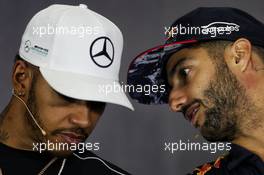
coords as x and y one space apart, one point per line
47 166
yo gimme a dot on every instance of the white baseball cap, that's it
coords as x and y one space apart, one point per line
78 53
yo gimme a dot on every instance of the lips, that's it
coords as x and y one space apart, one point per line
70 137
191 113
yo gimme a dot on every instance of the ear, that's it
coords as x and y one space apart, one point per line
22 77
240 57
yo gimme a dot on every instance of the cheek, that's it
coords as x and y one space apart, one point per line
200 82
200 85
249 81
95 118
51 117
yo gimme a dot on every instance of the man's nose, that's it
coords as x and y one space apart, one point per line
177 99
81 115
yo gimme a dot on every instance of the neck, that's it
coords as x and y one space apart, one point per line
13 132
3 133
253 141
251 123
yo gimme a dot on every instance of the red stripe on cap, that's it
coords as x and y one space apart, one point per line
160 46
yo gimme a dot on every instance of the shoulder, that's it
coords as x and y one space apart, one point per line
209 168
239 161
89 162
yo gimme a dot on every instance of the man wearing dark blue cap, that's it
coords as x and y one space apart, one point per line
212 66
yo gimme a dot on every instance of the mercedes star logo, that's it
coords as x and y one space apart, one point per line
102 52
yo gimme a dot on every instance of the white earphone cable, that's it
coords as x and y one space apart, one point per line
33 118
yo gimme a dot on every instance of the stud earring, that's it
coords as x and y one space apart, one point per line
21 93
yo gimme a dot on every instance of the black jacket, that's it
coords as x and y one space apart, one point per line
14 162
239 161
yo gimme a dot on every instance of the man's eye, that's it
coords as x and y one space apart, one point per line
97 106
184 72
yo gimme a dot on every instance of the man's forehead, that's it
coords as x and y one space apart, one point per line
176 57
187 53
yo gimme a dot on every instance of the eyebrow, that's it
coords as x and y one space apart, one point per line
66 98
179 62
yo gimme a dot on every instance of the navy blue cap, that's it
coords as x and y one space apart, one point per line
200 25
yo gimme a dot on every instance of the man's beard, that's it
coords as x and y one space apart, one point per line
229 105
36 133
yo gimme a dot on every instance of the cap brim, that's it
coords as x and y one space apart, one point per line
85 87
148 69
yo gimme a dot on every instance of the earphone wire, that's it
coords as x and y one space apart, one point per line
31 115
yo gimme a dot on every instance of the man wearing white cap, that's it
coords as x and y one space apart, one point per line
68 55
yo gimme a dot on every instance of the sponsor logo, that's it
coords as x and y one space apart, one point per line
102 52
